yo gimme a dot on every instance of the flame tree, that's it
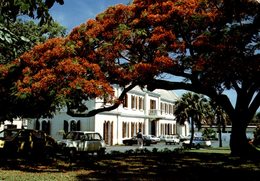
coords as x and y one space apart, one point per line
209 46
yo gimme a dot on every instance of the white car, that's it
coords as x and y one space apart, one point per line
82 142
172 139
197 142
154 139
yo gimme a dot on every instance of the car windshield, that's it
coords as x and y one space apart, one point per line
93 136
73 136
8 134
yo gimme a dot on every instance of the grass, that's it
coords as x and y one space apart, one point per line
203 164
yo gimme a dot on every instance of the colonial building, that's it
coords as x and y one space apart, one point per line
152 112
16 123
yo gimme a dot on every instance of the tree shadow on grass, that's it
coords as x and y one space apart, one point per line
172 166
146 166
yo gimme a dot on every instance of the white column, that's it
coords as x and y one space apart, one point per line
146 124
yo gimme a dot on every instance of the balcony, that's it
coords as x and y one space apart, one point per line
155 112
158 113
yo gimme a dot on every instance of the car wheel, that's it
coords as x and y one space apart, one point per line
198 146
50 153
70 153
101 152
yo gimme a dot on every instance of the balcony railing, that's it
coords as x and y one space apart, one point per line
154 112
158 112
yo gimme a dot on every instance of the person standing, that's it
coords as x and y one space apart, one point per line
140 139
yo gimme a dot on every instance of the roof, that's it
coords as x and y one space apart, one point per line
166 94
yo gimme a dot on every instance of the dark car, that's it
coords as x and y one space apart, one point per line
26 142
133 141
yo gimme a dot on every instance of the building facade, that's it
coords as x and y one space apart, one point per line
152 112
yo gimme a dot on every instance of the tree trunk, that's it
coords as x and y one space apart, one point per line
238 140
219 131
192 131
220 136
240 118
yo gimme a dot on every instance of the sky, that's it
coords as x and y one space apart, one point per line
75 12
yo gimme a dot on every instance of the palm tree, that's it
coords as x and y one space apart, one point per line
256 119
193 108
221 119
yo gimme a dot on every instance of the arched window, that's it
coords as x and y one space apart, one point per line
73 126
46 126
124 130
78 125
132 129
66 126
174 129
37 126
127 128
108 132
140 126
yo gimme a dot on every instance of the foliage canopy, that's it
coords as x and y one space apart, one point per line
16 37
212 46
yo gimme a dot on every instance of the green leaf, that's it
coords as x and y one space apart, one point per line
24 39
8 38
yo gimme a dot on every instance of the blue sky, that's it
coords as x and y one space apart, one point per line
76 12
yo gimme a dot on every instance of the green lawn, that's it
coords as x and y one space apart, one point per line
210 164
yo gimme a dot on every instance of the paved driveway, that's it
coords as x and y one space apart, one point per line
159 146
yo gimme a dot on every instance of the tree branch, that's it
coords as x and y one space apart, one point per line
221 99
103 109
255 104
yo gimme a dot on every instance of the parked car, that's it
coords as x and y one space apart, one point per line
81 142
162 137
184 138
26 142
172 139
154 139
197 142
133 141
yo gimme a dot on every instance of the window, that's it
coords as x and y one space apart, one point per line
134 102
125 101
166 108
46 127
141 103
37 125
78 125
65 126
152 104
161 106
124 130
73 126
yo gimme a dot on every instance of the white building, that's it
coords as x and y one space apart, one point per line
16 123
150 111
